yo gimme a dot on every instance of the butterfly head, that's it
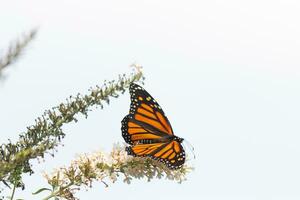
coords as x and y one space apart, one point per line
178 139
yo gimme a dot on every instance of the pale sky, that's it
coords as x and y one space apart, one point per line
226 73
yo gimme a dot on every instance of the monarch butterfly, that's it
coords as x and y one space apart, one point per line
148 131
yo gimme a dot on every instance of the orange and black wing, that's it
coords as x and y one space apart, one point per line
146 120
133 132
171 153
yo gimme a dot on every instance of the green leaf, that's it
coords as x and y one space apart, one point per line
41 190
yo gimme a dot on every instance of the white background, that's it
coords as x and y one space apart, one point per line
225 72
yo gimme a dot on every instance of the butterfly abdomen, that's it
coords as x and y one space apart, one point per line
162 139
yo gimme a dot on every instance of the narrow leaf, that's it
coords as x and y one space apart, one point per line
41 190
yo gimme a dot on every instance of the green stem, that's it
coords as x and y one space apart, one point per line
55 193
13 192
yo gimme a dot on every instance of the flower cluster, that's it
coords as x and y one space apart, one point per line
98 166
15 49
46 134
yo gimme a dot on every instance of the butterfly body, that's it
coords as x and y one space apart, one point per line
149 132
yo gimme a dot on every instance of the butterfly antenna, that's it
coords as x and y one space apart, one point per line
190 147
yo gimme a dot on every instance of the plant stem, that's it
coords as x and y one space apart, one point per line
13 192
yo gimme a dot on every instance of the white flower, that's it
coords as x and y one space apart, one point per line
100 166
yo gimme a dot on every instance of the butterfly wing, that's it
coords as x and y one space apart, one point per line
149 131
133 132
146 120
171 153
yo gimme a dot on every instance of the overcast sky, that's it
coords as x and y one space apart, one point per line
226 73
